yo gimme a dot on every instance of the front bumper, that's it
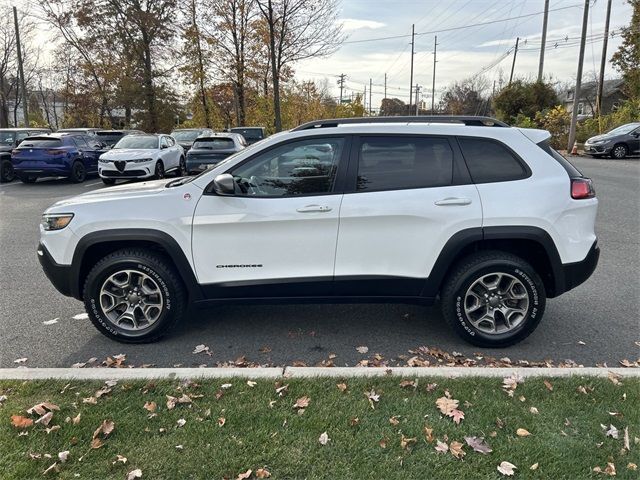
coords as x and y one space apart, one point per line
128 170
59 275
597 148
577 273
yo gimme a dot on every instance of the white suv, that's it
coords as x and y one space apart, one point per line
484 217
142 156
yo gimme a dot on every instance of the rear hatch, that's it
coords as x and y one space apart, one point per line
39 151
211 150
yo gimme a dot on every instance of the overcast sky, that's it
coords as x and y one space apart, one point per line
464 52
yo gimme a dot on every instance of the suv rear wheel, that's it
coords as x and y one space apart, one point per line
493 299
134 296
6 171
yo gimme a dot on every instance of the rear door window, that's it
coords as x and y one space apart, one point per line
394 163
490 161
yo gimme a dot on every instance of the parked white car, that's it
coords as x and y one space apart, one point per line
142 156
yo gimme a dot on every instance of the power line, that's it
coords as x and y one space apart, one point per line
462 27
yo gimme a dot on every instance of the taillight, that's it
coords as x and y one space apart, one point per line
56 152
582 188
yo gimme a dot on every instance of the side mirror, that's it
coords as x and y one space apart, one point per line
635 134
162 147
224 184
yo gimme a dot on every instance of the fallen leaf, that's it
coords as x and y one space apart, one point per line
302 402
262 473
609 470
76 420
245 475
534 466
478 444
226 386
362 349
133 474
81 316
51 322
324 438
457 416
521 432
614 378
383 443
611 431
441 447
431 387
456 449
179 447
446 405
200 349
580 342
547 384
181 422
394 421
21 360
51 467
45 419
632 466
120 458
406 442
252 384
626 439
55 428
354 421
41 408
19 421
534 410
428 433
506 468
373 397
150 406
408 383
221 421
342 387
96 443
63 456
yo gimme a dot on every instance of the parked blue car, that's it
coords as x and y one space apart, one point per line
70 155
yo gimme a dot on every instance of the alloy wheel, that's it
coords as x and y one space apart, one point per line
496 303
131 300
619 151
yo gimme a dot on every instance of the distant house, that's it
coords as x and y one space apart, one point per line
612 97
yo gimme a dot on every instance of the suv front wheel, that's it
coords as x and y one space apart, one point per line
134 296
493 299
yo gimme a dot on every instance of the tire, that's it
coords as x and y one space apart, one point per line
109 181
159 170
460 305
78 172
7 174
619 151
27 178
182 168
166 304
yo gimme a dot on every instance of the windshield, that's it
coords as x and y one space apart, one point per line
6 138
214 143
624 129
138 141
186 135
249 133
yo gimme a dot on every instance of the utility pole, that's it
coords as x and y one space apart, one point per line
417 96
513 65
364 99
433 85
341 78
576 92
545 20
413 34
385 85
603 60
370 88
25 109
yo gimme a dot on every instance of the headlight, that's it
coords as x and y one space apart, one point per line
56 221
102 160
141 160
600 142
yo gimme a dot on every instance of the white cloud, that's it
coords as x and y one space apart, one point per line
349 24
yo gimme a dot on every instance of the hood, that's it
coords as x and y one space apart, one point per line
604 136
128 153
6 148
118 192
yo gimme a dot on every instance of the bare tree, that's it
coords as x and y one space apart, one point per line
297 30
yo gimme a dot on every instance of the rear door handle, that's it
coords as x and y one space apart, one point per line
453 201
314 208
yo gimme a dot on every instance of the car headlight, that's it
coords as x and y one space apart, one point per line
600 142
102 160
55 221
141 160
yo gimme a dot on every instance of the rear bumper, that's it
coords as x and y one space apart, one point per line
58 171
59 275
577 273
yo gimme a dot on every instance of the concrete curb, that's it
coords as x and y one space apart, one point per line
302 372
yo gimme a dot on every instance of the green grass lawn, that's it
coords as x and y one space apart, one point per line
263 430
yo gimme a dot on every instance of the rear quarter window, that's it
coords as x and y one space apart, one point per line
490 161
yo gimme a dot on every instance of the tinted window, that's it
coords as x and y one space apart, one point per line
214 143
391 163
81 142
299 168
41 142
490 161
7 138
186 135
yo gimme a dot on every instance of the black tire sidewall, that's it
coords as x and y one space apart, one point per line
626 151
157 272
74 176
159 170
7 173
537 303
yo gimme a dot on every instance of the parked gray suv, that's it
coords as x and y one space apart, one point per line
618 143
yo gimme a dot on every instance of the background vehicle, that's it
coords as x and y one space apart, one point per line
110 137
618 143
86 131
210 150
142 156
487 218
250 134
9 139
68 155
186 136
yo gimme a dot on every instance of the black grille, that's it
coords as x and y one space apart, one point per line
128 173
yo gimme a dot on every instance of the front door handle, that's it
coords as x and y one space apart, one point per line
453 201
314 208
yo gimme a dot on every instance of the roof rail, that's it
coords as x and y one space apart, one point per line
469 121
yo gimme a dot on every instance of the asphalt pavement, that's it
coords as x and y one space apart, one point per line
597 323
